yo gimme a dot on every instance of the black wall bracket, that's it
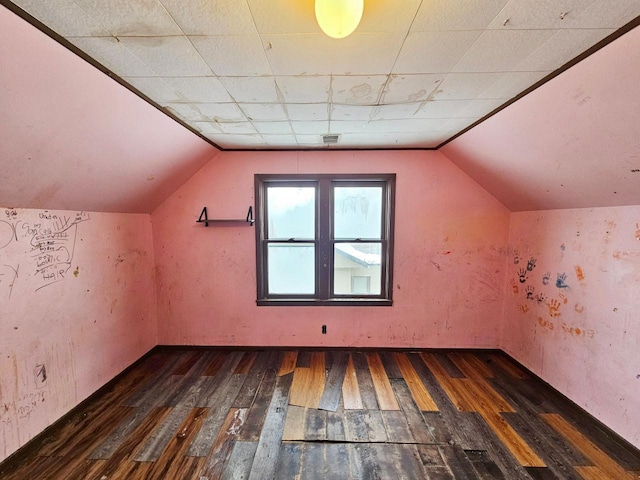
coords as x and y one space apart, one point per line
203 218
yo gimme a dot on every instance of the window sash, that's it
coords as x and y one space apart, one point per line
324 242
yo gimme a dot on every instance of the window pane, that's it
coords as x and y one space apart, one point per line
357 266
357 212
291 268
292 212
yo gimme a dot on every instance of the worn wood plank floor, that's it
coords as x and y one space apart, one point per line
328 414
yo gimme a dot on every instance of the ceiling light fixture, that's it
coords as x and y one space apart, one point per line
339 18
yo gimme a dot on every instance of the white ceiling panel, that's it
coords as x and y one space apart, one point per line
168 56
609 14
251 89
356 89
111 53
410 69
304 89
280 140
548 14
500 50
559 49
320 55
465 86
65 17
411 88
353 112
443 15
211 17
263 112
198 89
146 18
273 128
306 128
233 55
436 52
203 112
511 84
284 16
308 112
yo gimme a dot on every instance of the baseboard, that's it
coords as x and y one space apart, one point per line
36 443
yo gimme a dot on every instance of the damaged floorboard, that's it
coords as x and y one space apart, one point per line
327 414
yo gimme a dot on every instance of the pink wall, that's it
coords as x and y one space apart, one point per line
571 143
78 306
448 271
72 138
582 338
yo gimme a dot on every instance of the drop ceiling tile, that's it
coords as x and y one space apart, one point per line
349 126
218 112
392 140
384 16
304 89
198 89
211 17
234 55
306 128
284 16
548 14
357 90
480 108
264 112
280 140
440 108
465 86
155 88
65 17
439 15
396 111
455 124
113 55
609 14
310 140
411 88
251 89
207 128
511 84
403 125
124 17
358 54
309 112
273 128
168 56
434 52
238 128
559 49
501 50
352 112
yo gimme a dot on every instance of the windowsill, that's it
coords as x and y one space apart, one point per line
335 302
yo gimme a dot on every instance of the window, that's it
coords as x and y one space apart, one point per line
324 239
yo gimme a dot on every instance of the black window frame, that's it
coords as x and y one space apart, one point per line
324 241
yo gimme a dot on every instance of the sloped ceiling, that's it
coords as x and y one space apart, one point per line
71 138
574 142
261 74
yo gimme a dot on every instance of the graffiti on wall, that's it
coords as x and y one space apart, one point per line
38 247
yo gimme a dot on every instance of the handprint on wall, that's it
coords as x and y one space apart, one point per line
531 264
529 291
522 275
561 280
545 278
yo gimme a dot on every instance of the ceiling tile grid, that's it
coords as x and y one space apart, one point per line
250 74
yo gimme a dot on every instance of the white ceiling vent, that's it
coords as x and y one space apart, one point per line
329 139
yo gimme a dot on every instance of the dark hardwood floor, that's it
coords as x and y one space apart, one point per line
327 414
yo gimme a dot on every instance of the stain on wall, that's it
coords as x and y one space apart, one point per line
56 276
587 323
